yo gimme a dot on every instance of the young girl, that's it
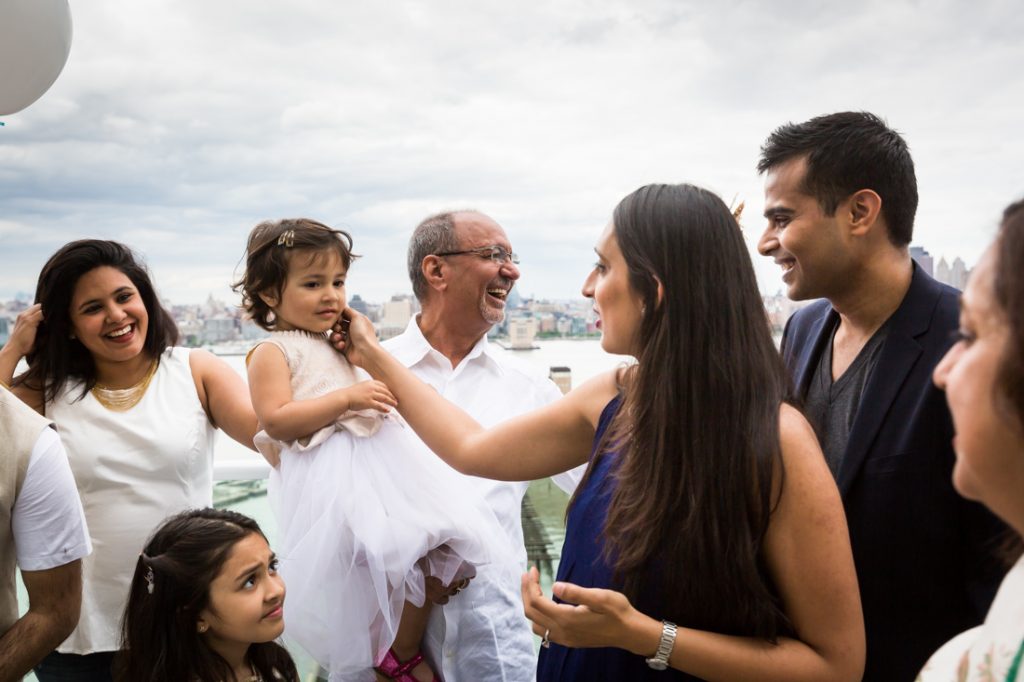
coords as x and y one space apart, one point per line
365 511
206 604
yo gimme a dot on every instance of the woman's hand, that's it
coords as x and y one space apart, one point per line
590 617
370 395
23 336
20 343
355 336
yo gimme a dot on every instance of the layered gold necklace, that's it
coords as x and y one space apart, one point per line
124 399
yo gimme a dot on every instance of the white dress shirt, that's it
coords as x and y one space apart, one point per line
481 634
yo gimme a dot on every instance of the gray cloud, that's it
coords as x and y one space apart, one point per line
177 126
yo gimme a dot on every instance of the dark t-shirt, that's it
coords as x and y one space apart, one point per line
831 406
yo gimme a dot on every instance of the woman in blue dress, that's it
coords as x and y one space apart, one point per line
707 536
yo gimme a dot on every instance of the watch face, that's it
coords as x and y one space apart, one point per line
657 664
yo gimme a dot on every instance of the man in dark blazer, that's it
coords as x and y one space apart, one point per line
840 199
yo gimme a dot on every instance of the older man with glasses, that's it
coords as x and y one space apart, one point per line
462 269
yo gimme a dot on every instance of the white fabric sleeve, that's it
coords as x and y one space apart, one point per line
47 520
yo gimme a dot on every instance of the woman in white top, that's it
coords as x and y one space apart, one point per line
983 376
136 415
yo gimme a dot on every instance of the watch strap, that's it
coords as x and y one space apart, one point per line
668 639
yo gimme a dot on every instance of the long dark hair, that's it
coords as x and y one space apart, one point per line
158 630
698 428
56 358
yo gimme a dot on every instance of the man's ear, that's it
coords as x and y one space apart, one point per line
433 268
864 208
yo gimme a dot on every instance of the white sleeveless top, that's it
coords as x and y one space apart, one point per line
316 368
133 470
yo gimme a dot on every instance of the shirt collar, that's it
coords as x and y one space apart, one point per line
411 347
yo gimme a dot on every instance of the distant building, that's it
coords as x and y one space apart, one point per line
521 332
219 330
359 305
5 329
395 316
923 258
562 376
251 331
954 275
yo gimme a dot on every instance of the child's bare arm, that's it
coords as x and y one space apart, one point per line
286 419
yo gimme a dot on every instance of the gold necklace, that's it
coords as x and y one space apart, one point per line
124 399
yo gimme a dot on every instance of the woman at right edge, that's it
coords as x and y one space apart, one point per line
708 535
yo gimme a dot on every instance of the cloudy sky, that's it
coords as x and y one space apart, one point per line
177 125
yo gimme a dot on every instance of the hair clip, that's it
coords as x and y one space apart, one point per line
149 579
287 239
738 211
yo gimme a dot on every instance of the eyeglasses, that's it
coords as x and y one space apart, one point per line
496 253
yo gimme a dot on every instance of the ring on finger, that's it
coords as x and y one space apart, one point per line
545 641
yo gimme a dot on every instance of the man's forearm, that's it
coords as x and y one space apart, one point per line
28 641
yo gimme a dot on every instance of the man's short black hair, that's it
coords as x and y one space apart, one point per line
847 152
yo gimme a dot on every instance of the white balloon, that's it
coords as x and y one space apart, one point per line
35 38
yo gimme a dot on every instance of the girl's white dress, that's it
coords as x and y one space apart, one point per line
364 511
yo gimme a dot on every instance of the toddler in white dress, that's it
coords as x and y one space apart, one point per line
365 512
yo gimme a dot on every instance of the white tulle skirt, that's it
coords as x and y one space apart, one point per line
361 520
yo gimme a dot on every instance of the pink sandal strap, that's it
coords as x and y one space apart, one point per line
396 669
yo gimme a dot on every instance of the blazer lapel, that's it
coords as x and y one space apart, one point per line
900 351
818 333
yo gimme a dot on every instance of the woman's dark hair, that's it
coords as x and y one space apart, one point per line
158 630
272 244
56 358
701 469
1009 293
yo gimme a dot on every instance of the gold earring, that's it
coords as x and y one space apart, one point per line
203 627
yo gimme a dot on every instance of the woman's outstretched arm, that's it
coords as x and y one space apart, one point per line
547 441
807 550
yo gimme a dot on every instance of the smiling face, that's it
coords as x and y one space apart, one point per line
989 444
803 241
108 315
616 303
246 599
478 286
313 295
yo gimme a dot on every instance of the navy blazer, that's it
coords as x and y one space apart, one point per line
925 556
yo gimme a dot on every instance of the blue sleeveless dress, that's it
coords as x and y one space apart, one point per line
583 564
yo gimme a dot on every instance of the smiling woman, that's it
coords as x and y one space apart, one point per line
135 413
